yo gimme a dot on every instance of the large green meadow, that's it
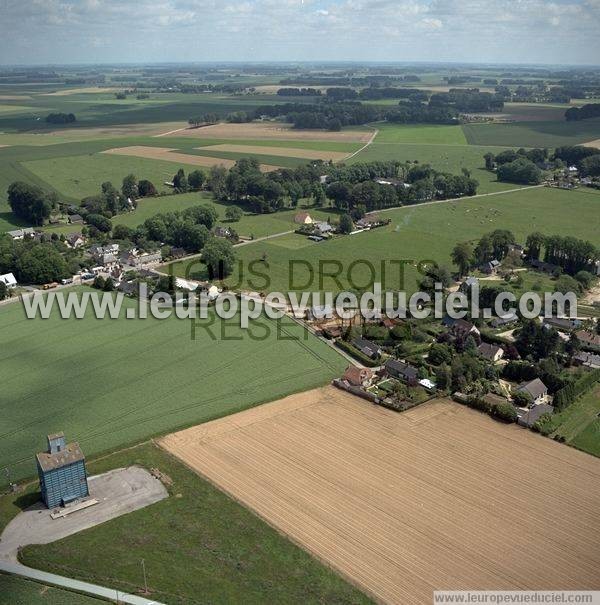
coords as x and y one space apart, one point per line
107 383
421 232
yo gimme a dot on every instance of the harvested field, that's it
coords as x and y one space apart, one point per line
595 143
171 155
271 130
287 152
77 91
440 497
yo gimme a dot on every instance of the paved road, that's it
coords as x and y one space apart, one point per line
85 587
118 492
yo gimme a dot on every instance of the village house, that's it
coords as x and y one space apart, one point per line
490 352
9 280
588 360
303 218
366 347
75 240
105 255
19 234
491 268
323 227
528 418
176 252
133 258
358 377
224 232
503 322
540 265
536 389
76 219
562 323
402 371
460 328
589 340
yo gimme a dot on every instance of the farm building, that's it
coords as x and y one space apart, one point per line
61 469
303 218
9 280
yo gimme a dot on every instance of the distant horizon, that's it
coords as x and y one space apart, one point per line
317 62
77 32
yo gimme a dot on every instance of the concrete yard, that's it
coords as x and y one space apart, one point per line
437 498
118 492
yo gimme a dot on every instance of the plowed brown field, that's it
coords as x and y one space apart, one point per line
170 155
286 152
437 498
270 130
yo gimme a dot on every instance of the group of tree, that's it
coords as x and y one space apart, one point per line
247 186
189 229
571 254
192 182
491 246
355 186
61 118
37 261
299 92
204 119
521 166
31 203
590 110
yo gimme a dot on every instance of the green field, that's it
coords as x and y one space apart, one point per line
107 383
419 232
533 134
18 591
420 133
579 424
443 157
199 546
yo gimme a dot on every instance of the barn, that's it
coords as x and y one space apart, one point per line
62 473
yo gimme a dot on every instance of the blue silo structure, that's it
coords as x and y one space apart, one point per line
62 473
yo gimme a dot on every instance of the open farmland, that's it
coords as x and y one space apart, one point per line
272 130
419 232
291 152
170 155
199 547
403 504
109 382
533 133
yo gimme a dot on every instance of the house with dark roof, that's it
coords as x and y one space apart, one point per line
491 268
588 360
366 347
536 389
402 371
490 352
589 340
62 473
76 219
75 240
540 265
529 417
562 323
503 322
460 328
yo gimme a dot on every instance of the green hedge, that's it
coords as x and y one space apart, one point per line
569 393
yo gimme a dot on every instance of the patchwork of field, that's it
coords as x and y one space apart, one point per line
595 143
108 383
289 152
272 130
171 155
437 498
76 91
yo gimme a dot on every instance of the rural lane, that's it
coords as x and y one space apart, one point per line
74 585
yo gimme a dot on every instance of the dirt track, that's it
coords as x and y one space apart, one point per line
270 130
171 155
440 497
